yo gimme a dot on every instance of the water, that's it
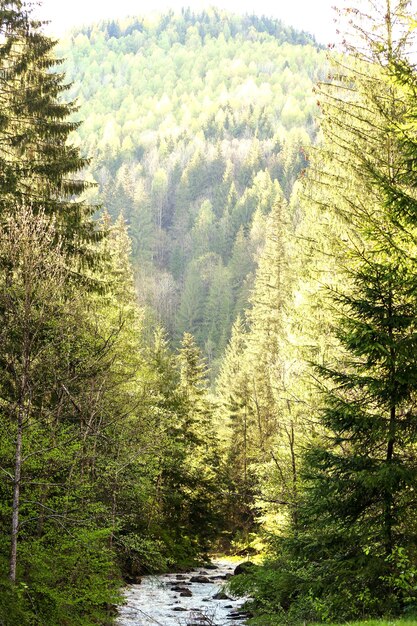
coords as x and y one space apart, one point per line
154 603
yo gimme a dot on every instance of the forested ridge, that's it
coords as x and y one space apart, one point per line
208 312
198 124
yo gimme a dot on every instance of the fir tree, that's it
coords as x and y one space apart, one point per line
39 167
236 425
356 514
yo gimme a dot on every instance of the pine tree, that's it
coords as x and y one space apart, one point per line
277 433
236 423
52 351
202 447
356 516
193 385
39 167
218 312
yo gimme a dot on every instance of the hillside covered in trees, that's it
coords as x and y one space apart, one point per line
198 124
222 355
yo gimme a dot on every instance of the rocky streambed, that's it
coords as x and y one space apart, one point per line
195 598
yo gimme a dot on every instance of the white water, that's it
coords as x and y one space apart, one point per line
153 603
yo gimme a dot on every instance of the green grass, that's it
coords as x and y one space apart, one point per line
380 622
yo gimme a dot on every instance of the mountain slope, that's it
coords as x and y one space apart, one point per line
197 124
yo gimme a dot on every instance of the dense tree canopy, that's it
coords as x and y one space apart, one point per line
223 356
350 550
198 123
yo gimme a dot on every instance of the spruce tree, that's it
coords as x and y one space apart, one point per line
356 522
197 431
236 423
52 352
39 167
277 432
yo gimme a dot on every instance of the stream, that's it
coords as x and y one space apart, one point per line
194 598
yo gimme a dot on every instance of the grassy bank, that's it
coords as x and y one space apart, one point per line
379 622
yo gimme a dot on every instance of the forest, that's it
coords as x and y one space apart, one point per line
208 312
226 111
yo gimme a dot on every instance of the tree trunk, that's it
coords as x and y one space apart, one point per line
16 496
388 504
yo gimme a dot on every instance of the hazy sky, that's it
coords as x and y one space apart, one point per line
316 16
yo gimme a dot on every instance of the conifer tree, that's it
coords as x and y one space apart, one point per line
39 168
51 350
197 428
276 433
194 386
236 426
356 518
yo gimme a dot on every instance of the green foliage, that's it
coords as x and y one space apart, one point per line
402 577
348 551
67 583
191 157
144 555
116 461
382 622
39 167
52 358
14 608
93 466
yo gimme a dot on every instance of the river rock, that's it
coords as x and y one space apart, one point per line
210 566
199 579
239 615
198 620
180 577
244 568
178 608
220 595
186 593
